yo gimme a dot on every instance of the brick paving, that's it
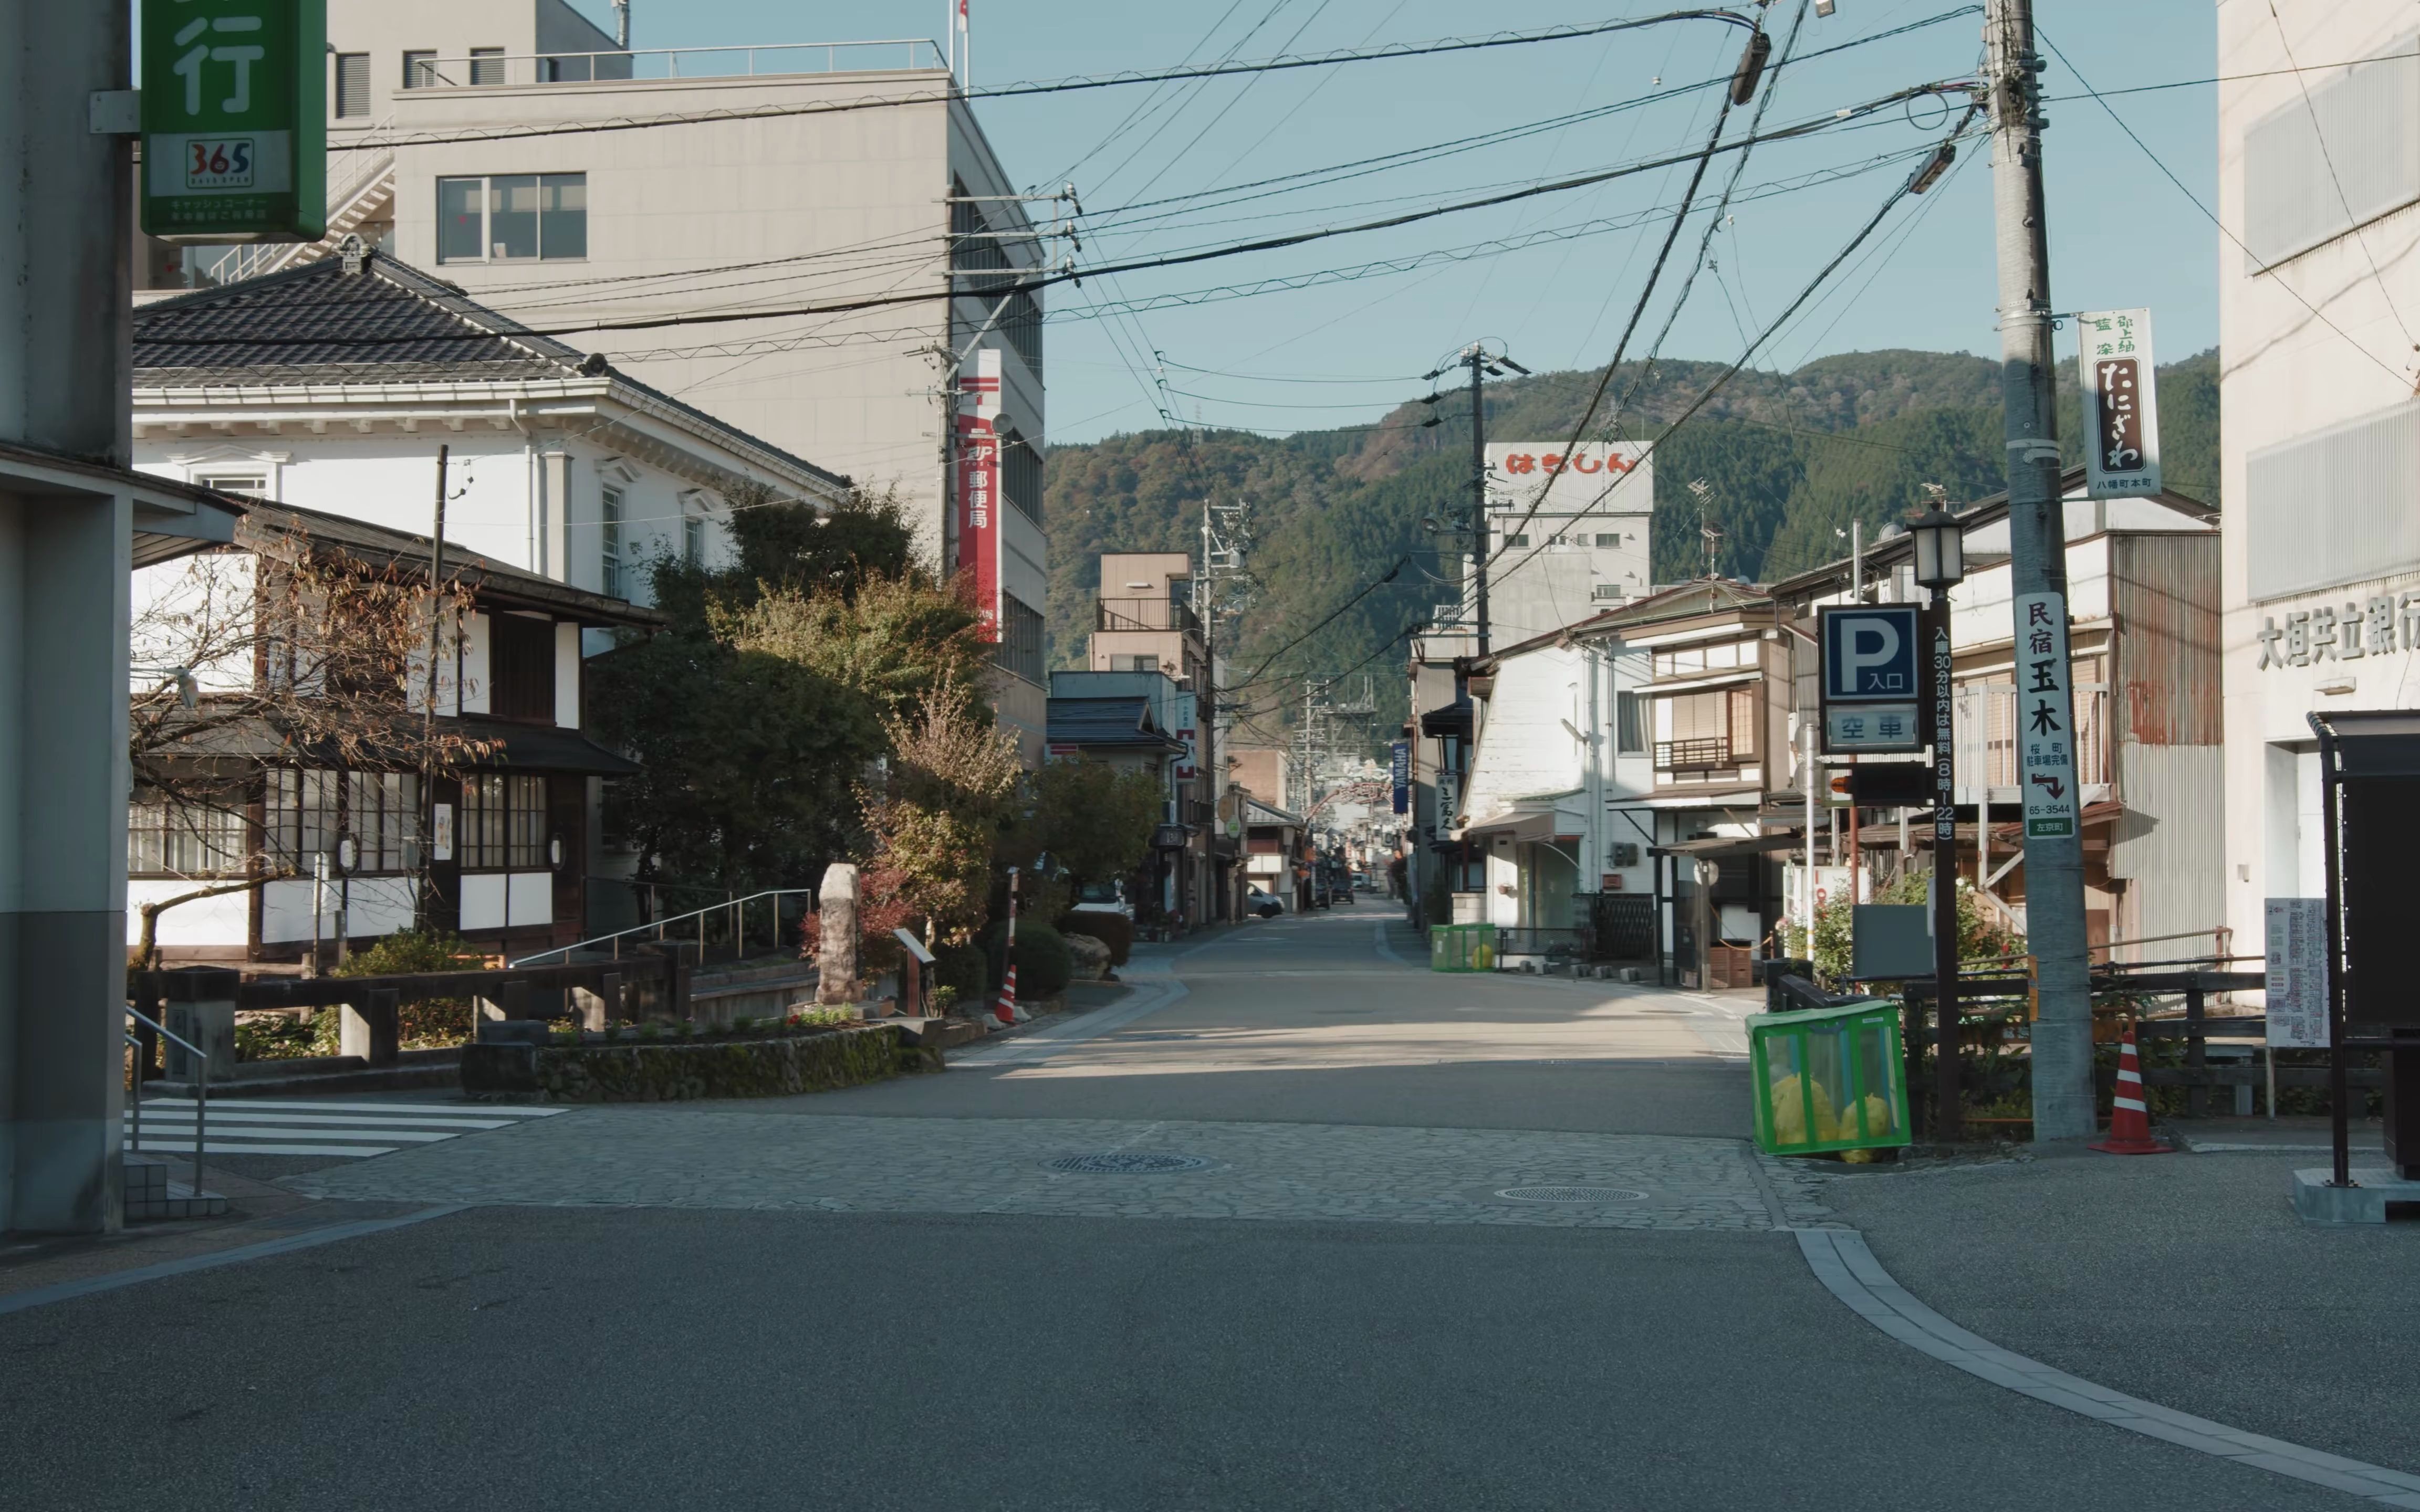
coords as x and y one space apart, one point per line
724 1158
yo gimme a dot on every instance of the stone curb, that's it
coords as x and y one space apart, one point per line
1841 1260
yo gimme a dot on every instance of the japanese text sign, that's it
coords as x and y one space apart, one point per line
2045 717
979 500
2121 405
2296 984
1871 682
235 130
1592 479
1403 776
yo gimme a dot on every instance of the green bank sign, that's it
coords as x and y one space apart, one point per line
235 112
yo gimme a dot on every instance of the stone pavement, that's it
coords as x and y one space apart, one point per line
711 1157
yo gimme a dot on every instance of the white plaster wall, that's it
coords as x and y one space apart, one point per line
380 905
222 920
566 675
1524 751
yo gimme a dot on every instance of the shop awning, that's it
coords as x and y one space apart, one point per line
1723 847
1525 825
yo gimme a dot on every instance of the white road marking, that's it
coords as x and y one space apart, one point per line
249 1126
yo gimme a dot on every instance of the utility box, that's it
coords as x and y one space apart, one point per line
1462 947
1828 1078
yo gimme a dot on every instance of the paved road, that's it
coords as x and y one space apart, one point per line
891 1298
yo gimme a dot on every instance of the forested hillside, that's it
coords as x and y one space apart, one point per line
1789 459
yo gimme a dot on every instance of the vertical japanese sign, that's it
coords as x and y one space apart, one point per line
1403 776
2045 717
2297 943
1944 704
1188 761
235 121
2121 409
979 502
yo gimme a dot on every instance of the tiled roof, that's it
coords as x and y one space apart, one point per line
1114 721
389 323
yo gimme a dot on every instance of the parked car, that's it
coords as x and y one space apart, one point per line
1103 898
1264 903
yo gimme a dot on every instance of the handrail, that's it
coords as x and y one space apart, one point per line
371 162
736 906
201 1090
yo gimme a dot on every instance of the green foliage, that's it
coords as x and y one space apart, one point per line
1044 966
962 969
1095 820
1115 931
414 951
1980 937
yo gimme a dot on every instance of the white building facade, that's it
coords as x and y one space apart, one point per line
2321 449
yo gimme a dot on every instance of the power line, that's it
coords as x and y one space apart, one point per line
1367 589
1056 86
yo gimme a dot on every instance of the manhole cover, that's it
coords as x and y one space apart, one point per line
1571 1194
1127 1163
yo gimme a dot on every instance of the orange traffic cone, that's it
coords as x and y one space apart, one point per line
1005 1008
2130 1121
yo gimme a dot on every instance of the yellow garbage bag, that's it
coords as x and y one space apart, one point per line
1789 1122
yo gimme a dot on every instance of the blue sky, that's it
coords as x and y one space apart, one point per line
2121 234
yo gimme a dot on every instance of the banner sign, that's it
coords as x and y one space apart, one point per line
235 121
2045 717
979 500
2121 405
1871 685
1402 774
1189 761
2298 972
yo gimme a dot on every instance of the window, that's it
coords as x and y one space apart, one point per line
303 814
1630 732
168 837
1020 640
1707 732
1511 541
693 541
1021 323
512 218
352 86
1608 541
307 812
2336 156
487 65
419 69
1605 590
504 823
520 667
609 533
249 485
383 814
1134 664
1021 475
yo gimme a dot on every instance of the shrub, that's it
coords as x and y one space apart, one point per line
961 969
439 1020
1044 966
1115 931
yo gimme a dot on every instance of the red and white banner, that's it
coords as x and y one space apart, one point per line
979 500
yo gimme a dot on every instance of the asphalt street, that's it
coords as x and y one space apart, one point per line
877 1300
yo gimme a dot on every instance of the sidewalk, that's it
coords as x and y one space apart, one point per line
2183 1279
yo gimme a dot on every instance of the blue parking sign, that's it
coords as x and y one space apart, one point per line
1870 653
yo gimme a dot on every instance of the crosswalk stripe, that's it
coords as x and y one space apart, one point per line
282 1105
234 1116
212 1146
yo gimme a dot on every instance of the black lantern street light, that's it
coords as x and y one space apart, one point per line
1940 565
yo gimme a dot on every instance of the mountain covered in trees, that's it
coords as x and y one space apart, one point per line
1787 459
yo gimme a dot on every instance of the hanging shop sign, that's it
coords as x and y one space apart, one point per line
1403 777
2045 717
979 502
235 121
2121 405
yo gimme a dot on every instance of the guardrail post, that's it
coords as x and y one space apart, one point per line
201 1009
372 1029
2196 1053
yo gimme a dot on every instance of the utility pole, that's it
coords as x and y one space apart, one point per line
2062 1037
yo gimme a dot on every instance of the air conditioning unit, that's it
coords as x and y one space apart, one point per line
1625 853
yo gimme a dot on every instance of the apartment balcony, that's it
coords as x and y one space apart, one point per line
1144 614
1706 754
502 70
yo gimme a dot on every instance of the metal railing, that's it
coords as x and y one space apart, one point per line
772 60
201 1088
1144 614
1707 754
658 932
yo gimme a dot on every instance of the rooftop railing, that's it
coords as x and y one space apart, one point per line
496 70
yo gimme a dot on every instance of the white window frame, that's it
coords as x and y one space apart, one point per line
487 182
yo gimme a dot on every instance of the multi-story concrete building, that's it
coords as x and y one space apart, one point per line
1144 623
2321 441
810 241
1568 535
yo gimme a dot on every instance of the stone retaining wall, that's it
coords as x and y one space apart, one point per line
679 1071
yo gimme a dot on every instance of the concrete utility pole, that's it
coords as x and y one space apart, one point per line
2062 1037
66 373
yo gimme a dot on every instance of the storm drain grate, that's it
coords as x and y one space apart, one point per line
1127 1163
1571 1194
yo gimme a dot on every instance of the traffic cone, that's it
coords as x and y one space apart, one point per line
2130 1121
1005 1009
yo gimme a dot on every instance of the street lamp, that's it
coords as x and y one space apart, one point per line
1940 565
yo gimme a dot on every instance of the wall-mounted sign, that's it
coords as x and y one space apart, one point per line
235 121
2121 407
2045 717
2378 626
980 537
1402 774
1189 761
2297 986
1872 683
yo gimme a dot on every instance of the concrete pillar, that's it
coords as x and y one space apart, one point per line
372 1029
66 269
836 960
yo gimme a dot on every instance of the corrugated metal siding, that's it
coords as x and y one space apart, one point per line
2296 196
2167 672
2170 844
2335 506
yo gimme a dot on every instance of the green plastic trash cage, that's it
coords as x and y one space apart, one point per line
1462 947
1828 1078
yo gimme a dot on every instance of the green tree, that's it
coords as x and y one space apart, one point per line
1092 819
